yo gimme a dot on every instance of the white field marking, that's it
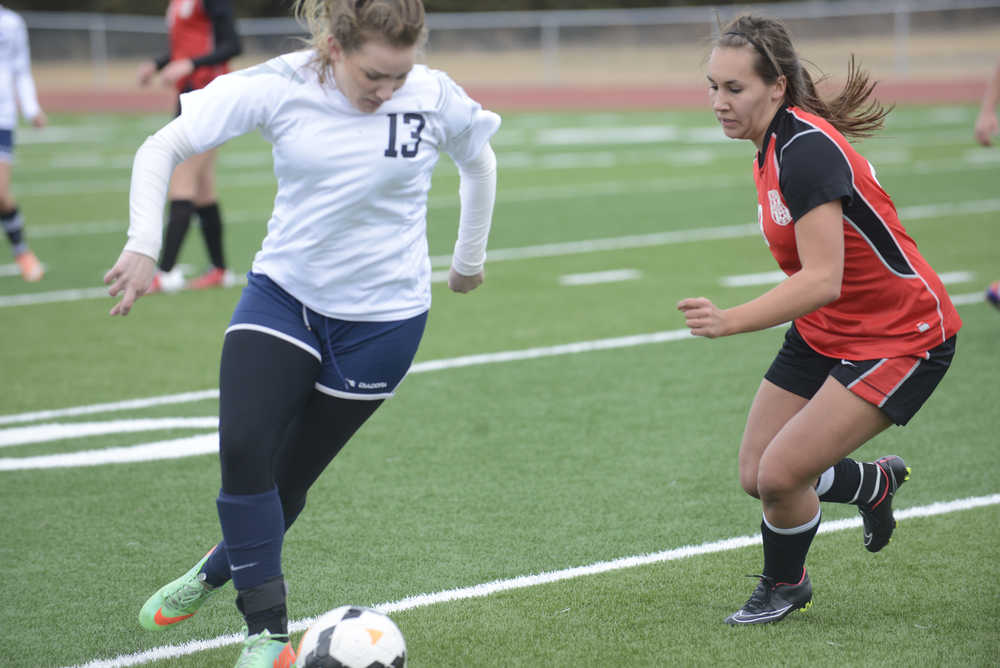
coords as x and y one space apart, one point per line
240 177
419 367
771 277
969 298
489 588
613 243
610 276
10 270
54 296
177 448
544 250
529 194
41 433
131 404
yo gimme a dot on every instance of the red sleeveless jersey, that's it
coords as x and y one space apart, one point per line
191 35
891 303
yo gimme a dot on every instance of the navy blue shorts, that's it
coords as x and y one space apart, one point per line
6 145
358 360
897 385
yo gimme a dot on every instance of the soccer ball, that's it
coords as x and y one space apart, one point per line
352 637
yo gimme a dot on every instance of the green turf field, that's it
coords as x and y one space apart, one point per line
494 468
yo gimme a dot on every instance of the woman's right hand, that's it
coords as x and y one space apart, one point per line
131 277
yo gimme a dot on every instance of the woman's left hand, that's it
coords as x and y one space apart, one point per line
131 277
460 283
703 317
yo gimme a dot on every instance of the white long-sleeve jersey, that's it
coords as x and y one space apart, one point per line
347 235
17 88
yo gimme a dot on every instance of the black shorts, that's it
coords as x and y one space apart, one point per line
897 385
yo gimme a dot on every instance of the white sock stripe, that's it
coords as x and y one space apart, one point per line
825 482
791 531
878 479
861 473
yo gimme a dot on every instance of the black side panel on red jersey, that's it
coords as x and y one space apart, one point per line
875 232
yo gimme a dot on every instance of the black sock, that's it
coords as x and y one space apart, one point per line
785 550
177 226
211 229
13 226
850 481
264 607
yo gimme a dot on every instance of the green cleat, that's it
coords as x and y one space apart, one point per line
176 601
266 650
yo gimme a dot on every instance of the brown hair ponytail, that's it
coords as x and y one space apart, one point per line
851 111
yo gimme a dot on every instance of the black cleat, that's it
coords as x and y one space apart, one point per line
773 601
877 517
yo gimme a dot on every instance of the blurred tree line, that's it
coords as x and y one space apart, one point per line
259 8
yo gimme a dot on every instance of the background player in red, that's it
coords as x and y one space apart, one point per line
873 329
203 37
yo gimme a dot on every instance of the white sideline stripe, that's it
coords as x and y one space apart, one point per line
770 277
131 404
502 254
420 367
548 577
613 243
42 433
611 276
172 449
568 248
54 296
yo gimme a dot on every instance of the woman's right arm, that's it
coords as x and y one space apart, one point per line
154 162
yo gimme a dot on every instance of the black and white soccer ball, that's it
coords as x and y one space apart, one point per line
352 637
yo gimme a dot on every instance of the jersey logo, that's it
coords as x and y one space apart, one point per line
779 212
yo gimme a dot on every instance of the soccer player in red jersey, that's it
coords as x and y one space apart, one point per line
203 38
873 330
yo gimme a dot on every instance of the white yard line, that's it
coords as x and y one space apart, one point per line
419 367
488 588
595 277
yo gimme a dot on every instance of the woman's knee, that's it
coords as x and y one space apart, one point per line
775 483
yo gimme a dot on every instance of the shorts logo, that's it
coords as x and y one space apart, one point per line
779 212
362 385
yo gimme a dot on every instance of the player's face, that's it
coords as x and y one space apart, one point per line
743 102
370 75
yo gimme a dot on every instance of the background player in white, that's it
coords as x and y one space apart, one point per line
339 292
17 88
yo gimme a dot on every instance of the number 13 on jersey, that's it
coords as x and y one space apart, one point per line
415 124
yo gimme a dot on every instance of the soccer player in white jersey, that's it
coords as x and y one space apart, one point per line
17 89
339 292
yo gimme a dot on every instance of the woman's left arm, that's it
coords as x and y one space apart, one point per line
477 191
819 238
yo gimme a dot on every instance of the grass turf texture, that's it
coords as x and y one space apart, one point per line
491 472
